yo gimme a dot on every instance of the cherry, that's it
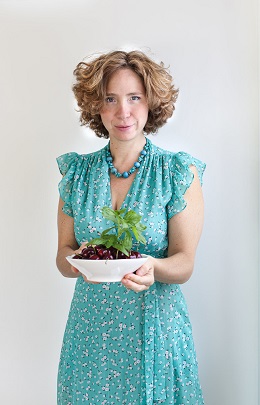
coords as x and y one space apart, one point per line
77 257
121 255
86 252
137 254
132 255
94 257
100 252
107 257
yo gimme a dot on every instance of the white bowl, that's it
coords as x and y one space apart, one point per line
106 270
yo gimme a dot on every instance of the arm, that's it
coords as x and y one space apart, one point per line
67 243
184 230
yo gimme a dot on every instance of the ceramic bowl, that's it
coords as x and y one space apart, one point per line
106 270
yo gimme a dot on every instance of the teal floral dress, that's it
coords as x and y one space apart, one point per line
121 347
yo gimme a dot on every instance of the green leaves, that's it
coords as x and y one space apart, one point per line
125 225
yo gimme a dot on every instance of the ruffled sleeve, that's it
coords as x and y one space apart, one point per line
182 178
67 164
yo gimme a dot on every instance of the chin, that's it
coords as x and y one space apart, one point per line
126 136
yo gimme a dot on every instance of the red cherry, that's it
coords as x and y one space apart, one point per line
121 255
138 255
94 257
113 252
101 251
107 257
78 256
86 252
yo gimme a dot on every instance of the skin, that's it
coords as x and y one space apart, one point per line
124 115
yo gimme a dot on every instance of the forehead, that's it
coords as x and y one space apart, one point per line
124 79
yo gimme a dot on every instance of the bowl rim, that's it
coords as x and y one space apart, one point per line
144 256
109 270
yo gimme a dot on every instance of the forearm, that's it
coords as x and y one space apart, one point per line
63 265
176 269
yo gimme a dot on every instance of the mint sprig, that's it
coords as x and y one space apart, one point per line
126 225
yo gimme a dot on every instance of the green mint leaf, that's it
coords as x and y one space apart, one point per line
97 241
121 247
126 224
128 241
122 227
109 214
142 239
112 215
132 218
136 233
140 227
107 230
110 240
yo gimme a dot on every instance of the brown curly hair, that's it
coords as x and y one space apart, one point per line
92 78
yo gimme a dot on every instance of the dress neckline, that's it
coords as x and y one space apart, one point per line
136 175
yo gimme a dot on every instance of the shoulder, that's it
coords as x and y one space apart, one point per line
73 161
178 163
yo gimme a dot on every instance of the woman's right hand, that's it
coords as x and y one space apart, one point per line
79 250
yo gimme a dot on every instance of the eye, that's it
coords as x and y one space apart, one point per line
135 98
109 99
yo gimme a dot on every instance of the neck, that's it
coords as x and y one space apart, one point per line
126 151
125 162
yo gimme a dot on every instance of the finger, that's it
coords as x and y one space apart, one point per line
142 271
74 270
130 285
147 280
89 281
82 246
79 250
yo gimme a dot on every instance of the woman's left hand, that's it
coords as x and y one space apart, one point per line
142 279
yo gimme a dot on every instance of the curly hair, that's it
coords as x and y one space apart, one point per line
92 78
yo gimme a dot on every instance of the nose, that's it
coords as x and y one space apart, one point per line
123 110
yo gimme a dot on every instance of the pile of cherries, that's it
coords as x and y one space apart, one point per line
100 252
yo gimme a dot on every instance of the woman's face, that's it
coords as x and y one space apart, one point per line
125 110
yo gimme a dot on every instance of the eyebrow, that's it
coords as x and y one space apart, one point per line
128 94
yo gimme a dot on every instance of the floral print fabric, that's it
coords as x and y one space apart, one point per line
122 347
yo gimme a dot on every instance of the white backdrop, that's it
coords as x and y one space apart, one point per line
211 47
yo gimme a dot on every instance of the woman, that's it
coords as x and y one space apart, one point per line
129 342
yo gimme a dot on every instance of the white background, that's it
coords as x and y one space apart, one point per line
212 49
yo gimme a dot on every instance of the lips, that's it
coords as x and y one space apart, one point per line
123 127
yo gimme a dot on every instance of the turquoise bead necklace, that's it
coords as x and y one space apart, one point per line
136 165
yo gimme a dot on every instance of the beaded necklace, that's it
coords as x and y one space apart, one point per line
136 165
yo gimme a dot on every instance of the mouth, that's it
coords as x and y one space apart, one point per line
123 127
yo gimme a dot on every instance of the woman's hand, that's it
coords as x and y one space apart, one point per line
83 245
76 271
79 250
142 279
